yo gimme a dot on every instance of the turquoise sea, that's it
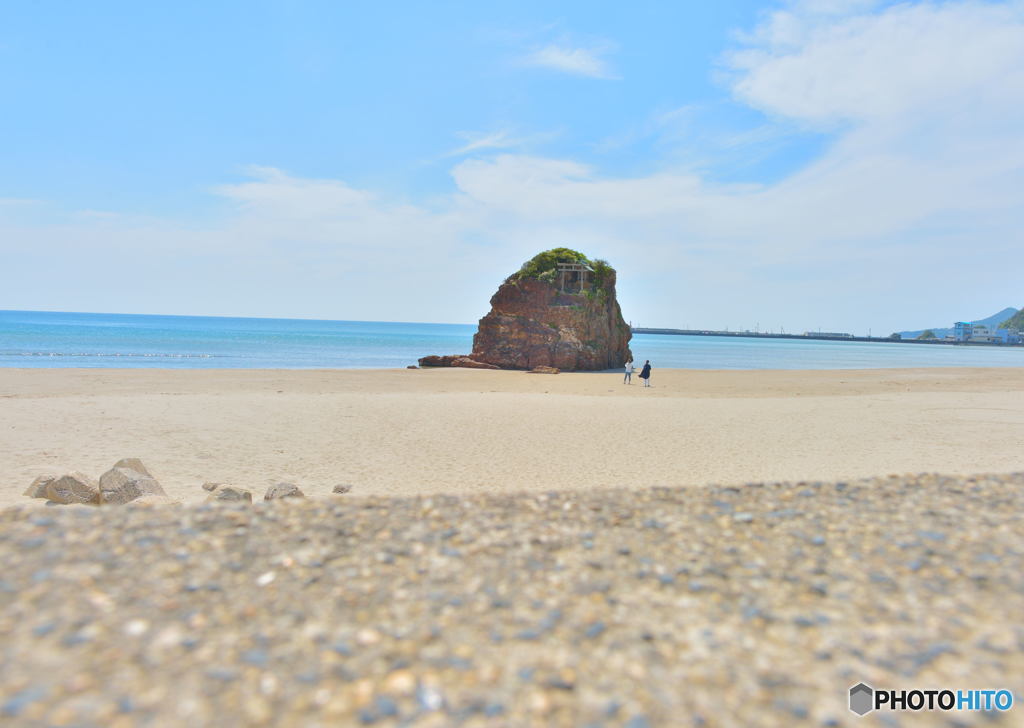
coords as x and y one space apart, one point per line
49 339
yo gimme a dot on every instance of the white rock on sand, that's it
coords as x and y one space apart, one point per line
123 484
73 488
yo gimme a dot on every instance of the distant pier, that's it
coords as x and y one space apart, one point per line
814 337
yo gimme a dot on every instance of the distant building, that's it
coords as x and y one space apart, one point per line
1005 336
982 334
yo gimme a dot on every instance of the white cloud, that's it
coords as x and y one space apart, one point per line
576 61
912 60
277 194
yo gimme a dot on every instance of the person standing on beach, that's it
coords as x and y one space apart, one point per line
628 379
645 373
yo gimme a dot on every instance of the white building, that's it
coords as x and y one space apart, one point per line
983 334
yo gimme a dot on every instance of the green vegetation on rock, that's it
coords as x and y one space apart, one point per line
929 334
601 272
544 267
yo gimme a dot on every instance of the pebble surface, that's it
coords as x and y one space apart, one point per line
754 605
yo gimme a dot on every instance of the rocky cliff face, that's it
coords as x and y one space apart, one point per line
535 321
532 323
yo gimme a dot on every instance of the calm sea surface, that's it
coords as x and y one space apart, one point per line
42 339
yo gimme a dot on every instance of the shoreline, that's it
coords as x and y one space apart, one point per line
412 432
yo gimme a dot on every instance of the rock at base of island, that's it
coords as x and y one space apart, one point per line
455 360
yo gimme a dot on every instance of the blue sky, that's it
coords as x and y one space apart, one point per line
842 164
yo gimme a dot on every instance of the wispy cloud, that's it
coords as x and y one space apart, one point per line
494 140
578 61
477 141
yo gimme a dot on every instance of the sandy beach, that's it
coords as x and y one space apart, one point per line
410 432
632 592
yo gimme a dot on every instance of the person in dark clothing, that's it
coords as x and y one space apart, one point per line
645 373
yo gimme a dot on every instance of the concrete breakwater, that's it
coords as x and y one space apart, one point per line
816 337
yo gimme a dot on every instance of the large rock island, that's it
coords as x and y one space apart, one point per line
558 310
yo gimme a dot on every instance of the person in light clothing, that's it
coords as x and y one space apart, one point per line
628 379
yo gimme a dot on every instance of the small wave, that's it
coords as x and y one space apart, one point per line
113 354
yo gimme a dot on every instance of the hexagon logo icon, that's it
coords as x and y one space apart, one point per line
862 699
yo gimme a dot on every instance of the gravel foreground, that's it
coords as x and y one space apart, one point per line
757 605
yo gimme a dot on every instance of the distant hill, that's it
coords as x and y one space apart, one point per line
994 320
1015 322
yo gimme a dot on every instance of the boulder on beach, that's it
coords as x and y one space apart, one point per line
133 464
230 493
39 485
73 488
211 486
559 311
283 490
435 360
544 370
455 360
122 484
341 488
470 363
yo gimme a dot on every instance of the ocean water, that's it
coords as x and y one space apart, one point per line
43 339
48 339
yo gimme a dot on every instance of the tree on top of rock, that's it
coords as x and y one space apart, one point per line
544 267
